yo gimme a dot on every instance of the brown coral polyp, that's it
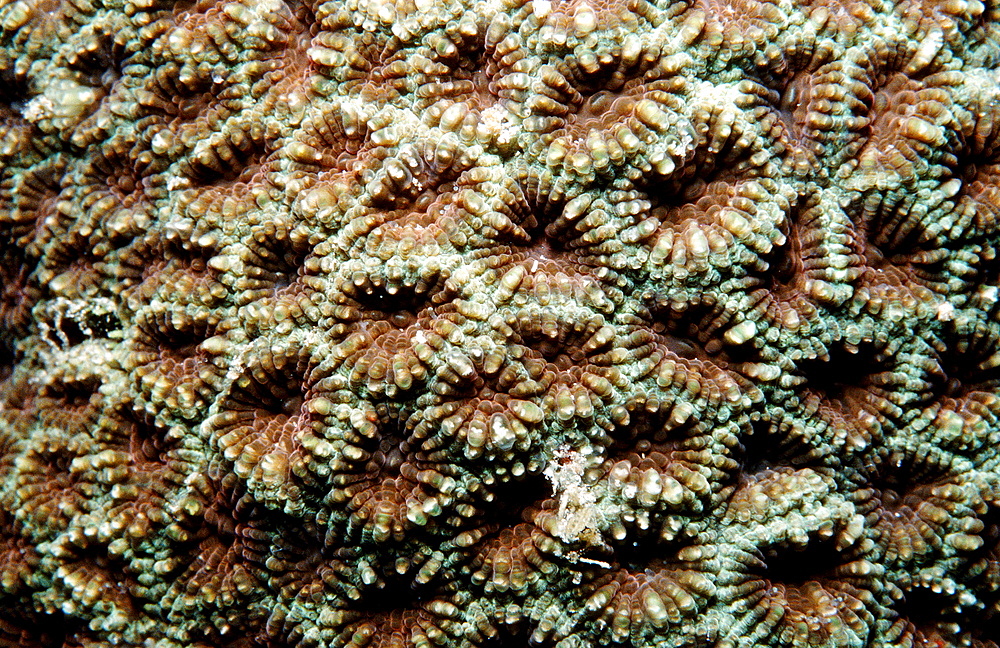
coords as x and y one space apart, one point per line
454 323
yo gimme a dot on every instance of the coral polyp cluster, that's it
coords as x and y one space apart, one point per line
491 323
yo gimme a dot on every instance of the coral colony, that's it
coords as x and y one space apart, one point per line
494 323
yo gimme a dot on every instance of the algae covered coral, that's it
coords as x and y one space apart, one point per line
499 323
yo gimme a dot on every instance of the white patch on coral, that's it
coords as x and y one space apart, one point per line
38 109
62 100
541 8
945 312
495 120
177 182
579 512
722 99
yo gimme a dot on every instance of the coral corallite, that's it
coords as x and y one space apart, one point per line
500 323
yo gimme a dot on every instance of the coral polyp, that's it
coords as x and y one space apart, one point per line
487 323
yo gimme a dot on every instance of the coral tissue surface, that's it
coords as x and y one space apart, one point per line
492 323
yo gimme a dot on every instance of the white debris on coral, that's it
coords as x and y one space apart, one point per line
581 512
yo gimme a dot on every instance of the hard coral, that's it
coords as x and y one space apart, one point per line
493 322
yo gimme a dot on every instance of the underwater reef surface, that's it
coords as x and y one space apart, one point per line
497 323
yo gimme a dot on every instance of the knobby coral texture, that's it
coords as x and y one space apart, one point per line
497 323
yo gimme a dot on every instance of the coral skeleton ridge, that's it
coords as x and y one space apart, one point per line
493 323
